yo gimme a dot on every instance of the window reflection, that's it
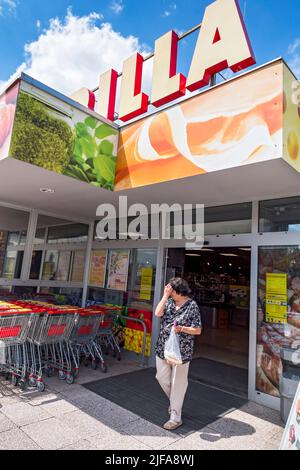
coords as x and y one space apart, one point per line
280 215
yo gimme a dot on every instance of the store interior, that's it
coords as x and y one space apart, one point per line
220 282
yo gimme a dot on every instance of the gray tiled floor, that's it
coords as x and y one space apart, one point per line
71 417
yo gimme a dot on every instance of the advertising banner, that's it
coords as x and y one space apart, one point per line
291 436
118 270
98 268
220 129
291 132
49 134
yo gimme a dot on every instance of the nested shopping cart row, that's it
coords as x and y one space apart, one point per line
38 341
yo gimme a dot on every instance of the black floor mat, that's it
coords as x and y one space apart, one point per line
228 378
140 393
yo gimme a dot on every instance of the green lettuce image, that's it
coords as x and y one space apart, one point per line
84 153
93 160
40 138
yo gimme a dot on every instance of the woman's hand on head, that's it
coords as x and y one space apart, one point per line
168 291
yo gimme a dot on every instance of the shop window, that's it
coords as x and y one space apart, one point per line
141 282
24 290
13 239
63 296
36 264
40 236
123 277
227 220
50 265
78 266
179 225
12 265
13 234
122 229
70 233
56 266
63 266
223 220
280 215
278 312
59 265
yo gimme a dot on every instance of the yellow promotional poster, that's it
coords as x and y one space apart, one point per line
276 298
146 283
213 131
98 268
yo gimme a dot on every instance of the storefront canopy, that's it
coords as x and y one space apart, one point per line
235 142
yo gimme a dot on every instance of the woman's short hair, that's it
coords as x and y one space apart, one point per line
180 286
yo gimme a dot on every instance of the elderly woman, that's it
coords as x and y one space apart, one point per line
176 305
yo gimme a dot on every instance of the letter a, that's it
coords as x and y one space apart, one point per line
223 43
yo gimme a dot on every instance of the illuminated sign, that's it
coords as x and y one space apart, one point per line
223 43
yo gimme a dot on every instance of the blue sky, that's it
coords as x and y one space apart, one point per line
273 27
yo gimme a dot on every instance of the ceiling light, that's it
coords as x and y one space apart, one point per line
231 255
245 249
47 191
190 254
207 249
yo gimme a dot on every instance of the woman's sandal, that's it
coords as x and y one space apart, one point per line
172 425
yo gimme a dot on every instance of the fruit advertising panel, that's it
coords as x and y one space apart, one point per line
277 331
7 114
55 136
238 123
291 116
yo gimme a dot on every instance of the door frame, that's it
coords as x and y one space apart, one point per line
253 240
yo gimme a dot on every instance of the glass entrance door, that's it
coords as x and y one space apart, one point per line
220 281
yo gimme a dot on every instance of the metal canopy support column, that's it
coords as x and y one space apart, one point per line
87 263
159 280
32 224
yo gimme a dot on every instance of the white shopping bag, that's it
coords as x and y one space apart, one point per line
172 349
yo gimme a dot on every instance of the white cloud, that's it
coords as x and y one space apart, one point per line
172 7
38 24
294 53
117 6
72 53
7 6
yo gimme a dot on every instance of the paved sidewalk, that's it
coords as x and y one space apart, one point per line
71 417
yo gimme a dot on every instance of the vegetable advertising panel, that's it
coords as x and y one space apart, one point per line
68 142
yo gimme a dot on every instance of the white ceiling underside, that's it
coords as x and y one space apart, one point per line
20 185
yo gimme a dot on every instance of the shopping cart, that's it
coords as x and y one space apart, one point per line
15 325
48 347
83 344
105 337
